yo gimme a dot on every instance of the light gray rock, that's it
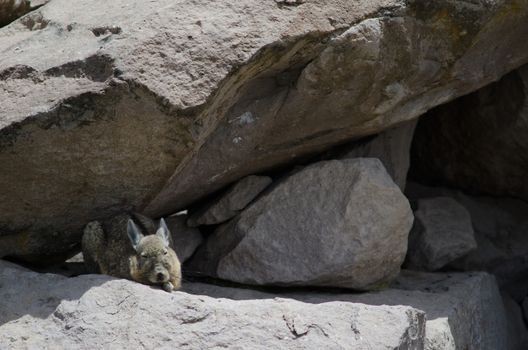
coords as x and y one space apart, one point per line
517 332
478 143
45 311
228 204
392 147
334 223
463 310
442 233
151 105
500 226
185 239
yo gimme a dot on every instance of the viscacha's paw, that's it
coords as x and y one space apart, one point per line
168 287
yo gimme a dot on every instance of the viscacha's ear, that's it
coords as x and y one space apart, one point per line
163 232
133 233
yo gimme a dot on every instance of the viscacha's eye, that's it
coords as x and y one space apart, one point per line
165 252
143 255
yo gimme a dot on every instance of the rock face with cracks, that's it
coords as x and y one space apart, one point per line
149 106
97 312
422 311
335 223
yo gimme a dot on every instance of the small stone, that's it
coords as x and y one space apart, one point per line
228 204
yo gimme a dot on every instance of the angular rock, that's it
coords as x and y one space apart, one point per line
184 238
227 205
517 332
334 223
442 233
478 143
463 310
88 312
392 147
500 226
150 106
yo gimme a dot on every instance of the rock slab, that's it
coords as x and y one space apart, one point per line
47 311
463 310
334 223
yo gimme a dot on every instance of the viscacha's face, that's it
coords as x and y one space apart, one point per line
153 260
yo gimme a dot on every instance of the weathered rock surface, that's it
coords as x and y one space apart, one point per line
334 223
442 232
148 106
478 142
463 311
392 147
185 239
500 226
47 311
228 204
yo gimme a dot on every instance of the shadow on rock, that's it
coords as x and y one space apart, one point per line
36 294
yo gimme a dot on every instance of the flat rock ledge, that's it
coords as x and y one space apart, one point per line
49 311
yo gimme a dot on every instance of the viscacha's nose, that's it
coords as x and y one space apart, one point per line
160 276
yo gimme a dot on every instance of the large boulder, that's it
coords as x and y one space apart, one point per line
45 311
334 223
442 233
478 142
148 106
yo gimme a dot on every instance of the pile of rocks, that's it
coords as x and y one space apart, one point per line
275 137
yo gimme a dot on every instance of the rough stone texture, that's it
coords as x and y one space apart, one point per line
463 311
392 147
334 223
227 205
150 105
500 226
478 142
185 239
47 311
442 232
517 332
